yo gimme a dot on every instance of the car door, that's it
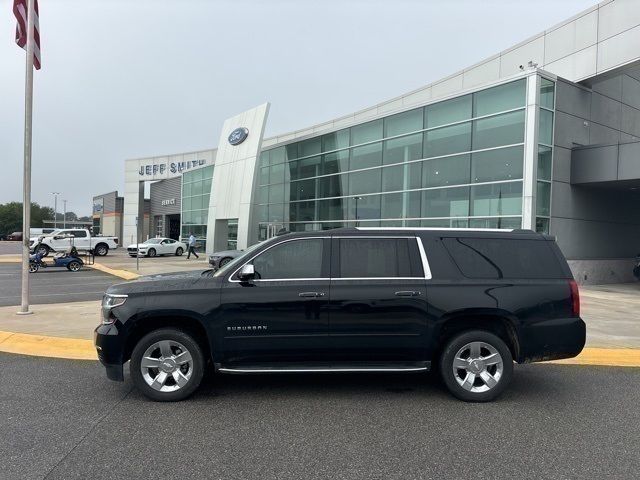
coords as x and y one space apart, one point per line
62 240
378 299
165 247
81 239
281 315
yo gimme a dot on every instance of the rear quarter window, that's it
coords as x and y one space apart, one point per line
495 258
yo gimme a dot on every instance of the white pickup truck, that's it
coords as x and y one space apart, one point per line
61 239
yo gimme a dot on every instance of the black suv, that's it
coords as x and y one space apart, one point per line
356 299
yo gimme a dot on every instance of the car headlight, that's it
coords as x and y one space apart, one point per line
110 301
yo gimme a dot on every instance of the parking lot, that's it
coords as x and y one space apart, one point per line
68 421
53 285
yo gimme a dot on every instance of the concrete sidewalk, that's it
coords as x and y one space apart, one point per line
611 312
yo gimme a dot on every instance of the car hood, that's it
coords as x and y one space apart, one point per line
227 253
166 282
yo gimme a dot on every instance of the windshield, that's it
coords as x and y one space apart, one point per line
236 261
154 240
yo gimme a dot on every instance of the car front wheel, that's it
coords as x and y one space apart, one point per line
179 251
476 366
167 365
151 252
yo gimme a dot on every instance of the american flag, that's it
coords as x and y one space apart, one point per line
20 11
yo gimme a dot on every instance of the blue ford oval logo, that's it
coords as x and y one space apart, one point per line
238 136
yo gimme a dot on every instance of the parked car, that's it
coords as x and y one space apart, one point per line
157 246
14 237
220 259
470 302
60 240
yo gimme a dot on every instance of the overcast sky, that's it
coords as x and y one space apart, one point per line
125 79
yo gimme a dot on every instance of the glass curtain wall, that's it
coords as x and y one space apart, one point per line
545 154
456 163
196 189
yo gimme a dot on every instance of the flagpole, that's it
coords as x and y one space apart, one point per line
26 188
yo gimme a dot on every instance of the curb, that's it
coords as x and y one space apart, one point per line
612 357
124 274
10 259
79 349
43 346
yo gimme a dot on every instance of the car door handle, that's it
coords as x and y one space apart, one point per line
407 293
311 294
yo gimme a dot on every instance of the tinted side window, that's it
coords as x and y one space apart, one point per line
79 233
294 259
503 258
374 257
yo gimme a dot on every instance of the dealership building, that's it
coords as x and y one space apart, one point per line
542 136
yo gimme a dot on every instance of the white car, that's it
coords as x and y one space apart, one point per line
157 246
61 239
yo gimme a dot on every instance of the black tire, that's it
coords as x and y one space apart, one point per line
101 250
33 267
74 266
44 249
636 272
224 261
179 252
151 252
197 365
450 377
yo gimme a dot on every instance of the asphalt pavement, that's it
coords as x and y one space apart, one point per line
53 285
64 420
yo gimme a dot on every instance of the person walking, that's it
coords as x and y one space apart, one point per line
192 246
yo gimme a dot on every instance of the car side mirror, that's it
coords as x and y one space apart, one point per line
247 272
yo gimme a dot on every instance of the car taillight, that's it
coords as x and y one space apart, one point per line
575 298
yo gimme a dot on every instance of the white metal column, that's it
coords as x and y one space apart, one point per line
530 167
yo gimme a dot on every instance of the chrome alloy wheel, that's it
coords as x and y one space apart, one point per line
477 367
166 366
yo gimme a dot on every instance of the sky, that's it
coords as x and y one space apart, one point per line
125 79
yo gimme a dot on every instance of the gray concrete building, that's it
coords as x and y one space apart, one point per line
544 135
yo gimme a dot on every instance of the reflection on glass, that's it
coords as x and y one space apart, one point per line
500 130
447 140
403 149
496 199
440 172
498 164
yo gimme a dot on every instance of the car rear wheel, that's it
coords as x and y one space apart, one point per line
151 252
74 266
167 365
43 250
179 252
476 366
101 250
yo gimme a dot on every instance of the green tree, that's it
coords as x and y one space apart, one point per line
11 216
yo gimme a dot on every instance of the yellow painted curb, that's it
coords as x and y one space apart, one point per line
43 346
614 357
10 259
124 274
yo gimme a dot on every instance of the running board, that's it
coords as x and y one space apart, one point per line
328 368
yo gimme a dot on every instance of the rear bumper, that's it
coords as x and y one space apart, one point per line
110 349
552 340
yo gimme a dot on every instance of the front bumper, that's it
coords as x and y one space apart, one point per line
110 347
552 339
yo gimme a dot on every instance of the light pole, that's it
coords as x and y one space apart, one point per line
356 199
55 209
64 215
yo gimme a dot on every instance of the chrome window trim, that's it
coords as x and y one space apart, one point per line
425 262
423 256
269 248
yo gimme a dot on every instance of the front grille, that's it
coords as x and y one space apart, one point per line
132 249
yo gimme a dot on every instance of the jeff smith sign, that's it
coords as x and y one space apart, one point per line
173 167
